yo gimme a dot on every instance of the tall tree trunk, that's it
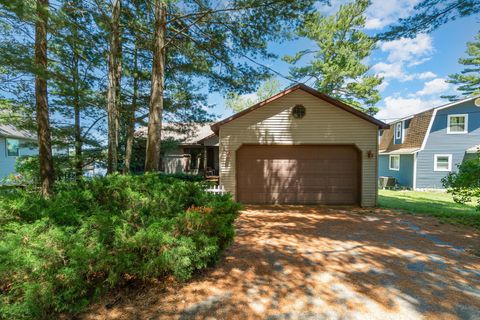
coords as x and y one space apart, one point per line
47 174
152 157
113 90
76 108
78 141
131 114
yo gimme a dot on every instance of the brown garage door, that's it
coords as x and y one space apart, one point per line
312 174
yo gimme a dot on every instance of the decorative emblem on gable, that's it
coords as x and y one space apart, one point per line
477 102
298 112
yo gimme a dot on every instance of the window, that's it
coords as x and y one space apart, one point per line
398 132
380 135
406 126
457 123
12 147
394 162
443 162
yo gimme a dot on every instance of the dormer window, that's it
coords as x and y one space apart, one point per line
398 130
398 133
457 124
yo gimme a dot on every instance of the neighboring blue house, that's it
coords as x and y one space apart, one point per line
13 144
421 149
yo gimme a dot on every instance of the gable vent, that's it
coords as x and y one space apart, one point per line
477 102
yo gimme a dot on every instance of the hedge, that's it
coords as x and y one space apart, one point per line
58 254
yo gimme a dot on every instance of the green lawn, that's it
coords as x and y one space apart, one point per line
436 204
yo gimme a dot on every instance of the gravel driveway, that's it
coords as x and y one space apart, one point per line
302 262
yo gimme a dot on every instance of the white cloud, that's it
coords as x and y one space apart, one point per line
398 107
397 71
332 8
426 75
384 12
373 23
404 53
433 87
428 97
391 71
383 85
406 49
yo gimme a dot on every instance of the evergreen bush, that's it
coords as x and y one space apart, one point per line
58 254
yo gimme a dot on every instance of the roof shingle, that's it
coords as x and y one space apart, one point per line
414 137
7 130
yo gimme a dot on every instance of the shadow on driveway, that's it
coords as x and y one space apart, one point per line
310 262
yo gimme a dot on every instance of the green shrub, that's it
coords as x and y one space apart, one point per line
29 168
464 185
183 176
57 255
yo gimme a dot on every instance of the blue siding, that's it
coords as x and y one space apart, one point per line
7 164
404 176
439 142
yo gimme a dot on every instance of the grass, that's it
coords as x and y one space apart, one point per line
435 204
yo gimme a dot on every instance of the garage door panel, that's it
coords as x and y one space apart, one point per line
298 174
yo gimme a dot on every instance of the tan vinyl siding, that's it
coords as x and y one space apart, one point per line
322 124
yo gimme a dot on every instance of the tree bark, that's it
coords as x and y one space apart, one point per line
152 157
113 90
47 174
131 114
78 141
76 108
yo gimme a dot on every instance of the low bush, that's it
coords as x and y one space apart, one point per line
183 176
464 185
58 254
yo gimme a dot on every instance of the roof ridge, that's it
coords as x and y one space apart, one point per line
446 105
336 102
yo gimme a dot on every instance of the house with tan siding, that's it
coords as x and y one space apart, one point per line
300 147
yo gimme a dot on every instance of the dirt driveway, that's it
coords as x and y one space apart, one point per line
325 263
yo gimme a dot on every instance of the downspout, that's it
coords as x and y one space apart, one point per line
415 156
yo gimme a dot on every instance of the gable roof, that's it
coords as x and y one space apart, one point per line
303 87
186 134
414 137
417 132
9 131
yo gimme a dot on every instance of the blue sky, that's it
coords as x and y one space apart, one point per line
414 69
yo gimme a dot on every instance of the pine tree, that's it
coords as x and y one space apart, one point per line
467 81
47 174
238 102
114 73
429 15
214 40
152 157
77 60
337 67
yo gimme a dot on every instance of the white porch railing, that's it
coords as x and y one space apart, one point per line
216 190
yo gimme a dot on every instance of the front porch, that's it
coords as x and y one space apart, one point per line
201 158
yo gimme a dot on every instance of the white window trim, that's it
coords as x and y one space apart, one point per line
457 115
449 162
390 162
398 134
